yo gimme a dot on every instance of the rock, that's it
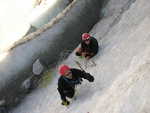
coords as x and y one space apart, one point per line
37 67
26 84
31 83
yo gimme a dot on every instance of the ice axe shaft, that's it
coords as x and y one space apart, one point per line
79 65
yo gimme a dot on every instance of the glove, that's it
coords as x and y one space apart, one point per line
90 78
65 102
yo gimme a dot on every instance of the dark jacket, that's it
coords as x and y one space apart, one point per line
66 84
92 47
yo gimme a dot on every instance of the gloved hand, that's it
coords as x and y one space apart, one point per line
90 78
79 81
65 102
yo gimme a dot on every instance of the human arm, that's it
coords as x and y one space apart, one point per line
87 76
83 74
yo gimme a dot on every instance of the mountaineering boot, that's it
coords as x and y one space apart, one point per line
65 103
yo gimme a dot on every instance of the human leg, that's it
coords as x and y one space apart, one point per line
70 93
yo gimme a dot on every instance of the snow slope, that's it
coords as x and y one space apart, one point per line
121 75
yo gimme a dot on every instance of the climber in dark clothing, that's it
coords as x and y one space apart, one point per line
89 46
70 77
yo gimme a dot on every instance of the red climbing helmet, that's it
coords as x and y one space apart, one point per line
85 36
63 69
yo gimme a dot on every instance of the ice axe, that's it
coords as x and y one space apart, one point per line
79 65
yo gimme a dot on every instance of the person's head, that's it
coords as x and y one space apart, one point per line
64 70
86 38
